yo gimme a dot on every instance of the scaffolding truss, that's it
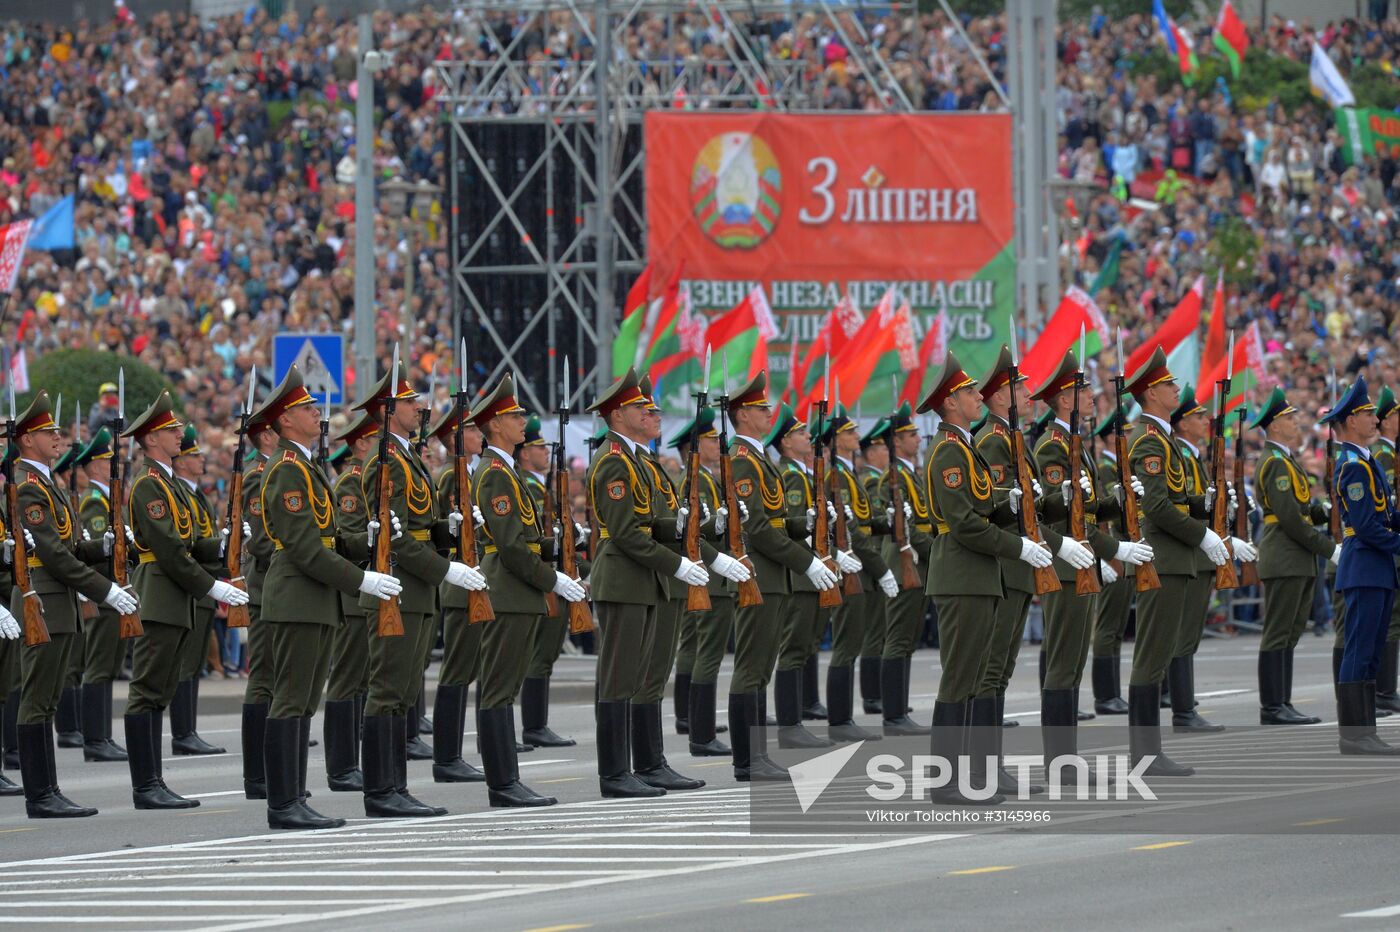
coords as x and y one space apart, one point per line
546 157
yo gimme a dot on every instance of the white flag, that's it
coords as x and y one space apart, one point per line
1327 81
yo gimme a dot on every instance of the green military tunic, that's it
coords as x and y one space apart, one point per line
804 619
876 607
59 571
547 640
1197 604
853 620
905 612
257 556
705 635
197 644
1116 599
349 665
1384 455
1289 546
461 641
102 645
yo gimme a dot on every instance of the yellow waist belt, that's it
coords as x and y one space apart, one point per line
864 530
327 542
1348 532
1182 507
491 548
421 535
1273 519
33 563
604 535
925 528
777 522
146 558
942 527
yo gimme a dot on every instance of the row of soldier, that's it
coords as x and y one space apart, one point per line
769 546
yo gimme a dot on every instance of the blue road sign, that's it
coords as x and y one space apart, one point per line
319 356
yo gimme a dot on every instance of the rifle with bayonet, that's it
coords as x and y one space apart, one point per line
1334 517
322 450
1249 573
749 593
130 625
551 601
1086 581
1144 574
35 631
478 601
233 516
566 554
390 619
698 597
899 527
1225 577
821 520
850 582
1046 579
426 414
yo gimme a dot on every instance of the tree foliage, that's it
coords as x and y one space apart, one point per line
78 373
1232 246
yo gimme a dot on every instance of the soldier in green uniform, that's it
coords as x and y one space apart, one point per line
348 681
396 663
1175 525
257 556
516 565
704 634
1289 547
628 578
874 460
184 708
1388 410
964 573
803 617
1116 599
170 578
68 724
669 517
865 522
548 638
905 612
776 550
461 656
299 597
58 572
1069 616
102 644
10 645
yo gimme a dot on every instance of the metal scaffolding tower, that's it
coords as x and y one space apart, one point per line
546 158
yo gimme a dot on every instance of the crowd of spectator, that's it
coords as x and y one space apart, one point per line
213 161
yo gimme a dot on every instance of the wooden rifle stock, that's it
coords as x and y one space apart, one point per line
35 631
580 618
478 602
749 593
551 601
1249 573
908 576
850 582
1046 579
698 598
1144 574
1225 577
233 548
130 625
1086 581
821 531
390 623
1334 516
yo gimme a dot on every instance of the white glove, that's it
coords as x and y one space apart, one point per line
130 536
820 576
219 592
1336 556
1086 485
1107 572
1210 497
743 511
87 537
1134 552
831 511
223 540
9 551
887 584
1214 548
108 540
913 554
121 601
454 522
373 529
1245 552
682 517
570 590
730 568
722 519
1036 490
1075 554
692 574
1013 499
1037 555
1066 492
811 519
29 544
850 515
848 562
465 577
9 628
581 535
380 585
1234 503
1327 508
908 514
1136 486
477 516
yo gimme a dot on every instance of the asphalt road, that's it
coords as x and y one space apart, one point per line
689 860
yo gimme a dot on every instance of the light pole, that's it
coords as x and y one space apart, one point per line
408 215
368 61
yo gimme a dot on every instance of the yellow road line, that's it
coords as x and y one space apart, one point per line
1312 822
194 812
564 928
982 870
7 831
718 763
558 780
778 898
1160 845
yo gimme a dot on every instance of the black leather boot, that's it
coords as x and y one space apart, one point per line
9 738
1288 686
1042 669
1006 783
148 791
870 686
184 721
378 751
703 742
400 725
1106 698
534 715
449 721
1185 718
68 722
812 708
950 740
1272 709
108 719
649 753
1356 729
747 735
414 747
42 799
254 731
1060 721
840 701
1145 733
7 786
1386 697
615 777
894 692
281 764
342 769
503 786
761 766
1336 670
787 702
97 745
680 698
424 725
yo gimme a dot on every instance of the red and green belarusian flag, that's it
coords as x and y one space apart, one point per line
934 346
1215 331
876 349
1077 313
649 329
1245 366
629 332
1181 325
1230 37
842 323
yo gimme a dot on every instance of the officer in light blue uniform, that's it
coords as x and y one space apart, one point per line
1366 574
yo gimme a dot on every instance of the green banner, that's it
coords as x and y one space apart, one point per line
1368 131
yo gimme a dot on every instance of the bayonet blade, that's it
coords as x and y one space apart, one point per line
1230 358
1082 347
705 385
462 366
568 399
1122 363
1011 336
58 410
394 372
724 365
121 393
826 380
252 389
12 401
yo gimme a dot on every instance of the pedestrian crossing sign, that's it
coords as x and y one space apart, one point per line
321 359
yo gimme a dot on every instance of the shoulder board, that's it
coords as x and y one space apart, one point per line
1000 429
356 470
153 472
1348 456
1057 434
616 448
288 456
497 464
34 478
739 449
